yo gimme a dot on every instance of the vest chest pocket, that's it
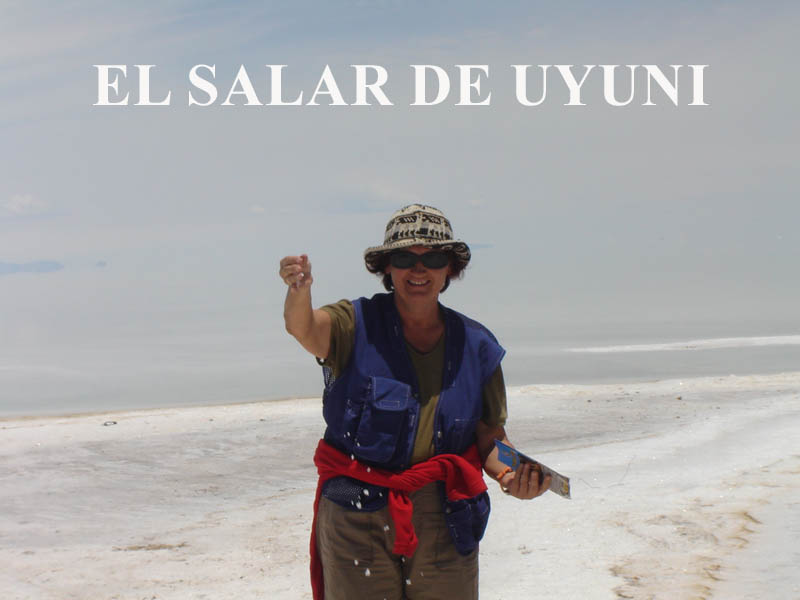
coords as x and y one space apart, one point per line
341 414
383 419
462 434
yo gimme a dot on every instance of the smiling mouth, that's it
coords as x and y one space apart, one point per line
418 283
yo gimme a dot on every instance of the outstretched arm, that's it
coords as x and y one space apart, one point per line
312 328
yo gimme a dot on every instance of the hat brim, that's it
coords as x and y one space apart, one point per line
372 256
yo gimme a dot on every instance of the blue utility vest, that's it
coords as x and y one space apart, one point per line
372 408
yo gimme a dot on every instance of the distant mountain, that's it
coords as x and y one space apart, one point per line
39 266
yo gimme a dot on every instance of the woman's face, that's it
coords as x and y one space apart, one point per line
418 282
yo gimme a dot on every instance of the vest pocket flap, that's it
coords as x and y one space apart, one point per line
384 417
389 394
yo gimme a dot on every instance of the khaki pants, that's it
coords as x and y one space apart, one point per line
358 563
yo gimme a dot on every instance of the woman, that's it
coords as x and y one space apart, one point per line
414 400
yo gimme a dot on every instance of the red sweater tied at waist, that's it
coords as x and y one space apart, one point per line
461 475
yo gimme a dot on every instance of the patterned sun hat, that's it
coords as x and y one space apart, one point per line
417 225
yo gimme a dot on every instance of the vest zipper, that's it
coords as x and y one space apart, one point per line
438 436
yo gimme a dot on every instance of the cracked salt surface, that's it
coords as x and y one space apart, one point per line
662 507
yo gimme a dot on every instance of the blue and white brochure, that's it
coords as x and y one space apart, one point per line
513 457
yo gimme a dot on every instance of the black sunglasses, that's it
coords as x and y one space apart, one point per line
404 259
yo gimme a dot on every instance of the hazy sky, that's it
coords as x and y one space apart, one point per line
169 221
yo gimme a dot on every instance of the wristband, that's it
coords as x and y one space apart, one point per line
503 473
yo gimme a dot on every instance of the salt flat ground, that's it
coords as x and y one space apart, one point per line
681 489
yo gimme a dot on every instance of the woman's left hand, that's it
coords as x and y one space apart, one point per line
524 482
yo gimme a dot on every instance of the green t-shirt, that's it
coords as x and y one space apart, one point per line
428 367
